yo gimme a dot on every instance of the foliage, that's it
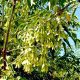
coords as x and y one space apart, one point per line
39 30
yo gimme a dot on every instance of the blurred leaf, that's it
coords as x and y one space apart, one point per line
67 42
64 45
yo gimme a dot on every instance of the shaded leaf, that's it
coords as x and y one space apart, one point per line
67 42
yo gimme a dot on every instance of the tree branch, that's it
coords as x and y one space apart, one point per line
7 35
67 6
60 11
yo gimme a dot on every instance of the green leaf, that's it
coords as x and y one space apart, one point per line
69 33
67 42
29 3
61 2
64 46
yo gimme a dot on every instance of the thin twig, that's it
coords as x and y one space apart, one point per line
17 49
7 36
62 10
